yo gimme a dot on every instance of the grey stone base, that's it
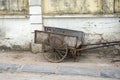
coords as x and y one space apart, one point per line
64 70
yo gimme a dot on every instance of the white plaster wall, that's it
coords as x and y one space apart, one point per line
97 29
17 31
36 23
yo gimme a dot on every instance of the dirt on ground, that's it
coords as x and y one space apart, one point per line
87 59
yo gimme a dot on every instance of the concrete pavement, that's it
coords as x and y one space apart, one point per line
38 76
89 65
60 69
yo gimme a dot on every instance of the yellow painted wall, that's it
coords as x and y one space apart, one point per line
80 6
14 7
117 7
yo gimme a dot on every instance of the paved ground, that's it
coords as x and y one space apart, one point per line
33 76
26 57
88 64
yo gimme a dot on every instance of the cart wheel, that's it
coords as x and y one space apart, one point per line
54 49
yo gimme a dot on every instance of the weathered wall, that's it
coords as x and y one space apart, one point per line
55 7
14 7
99 19
97 29
15 34
17 31
36 22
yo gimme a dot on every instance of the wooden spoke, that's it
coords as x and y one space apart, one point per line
56 51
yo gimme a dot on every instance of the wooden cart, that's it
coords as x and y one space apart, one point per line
57 46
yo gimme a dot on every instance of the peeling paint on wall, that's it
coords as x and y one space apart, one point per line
96 29
17 30
2 32
117 7
2 29
108 6
71 6
14 7
80 6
